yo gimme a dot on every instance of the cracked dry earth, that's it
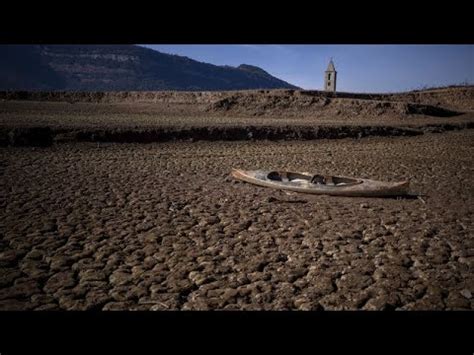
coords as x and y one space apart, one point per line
163 227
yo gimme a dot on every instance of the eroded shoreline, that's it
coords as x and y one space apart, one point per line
46 136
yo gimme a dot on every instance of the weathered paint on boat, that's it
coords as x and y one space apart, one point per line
333 185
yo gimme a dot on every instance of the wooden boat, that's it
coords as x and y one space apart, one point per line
318 184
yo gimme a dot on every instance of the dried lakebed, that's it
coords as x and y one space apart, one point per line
162 226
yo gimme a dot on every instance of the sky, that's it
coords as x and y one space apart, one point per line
360 68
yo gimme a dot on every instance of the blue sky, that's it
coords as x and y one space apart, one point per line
361 68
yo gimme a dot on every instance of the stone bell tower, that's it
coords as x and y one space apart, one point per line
330 78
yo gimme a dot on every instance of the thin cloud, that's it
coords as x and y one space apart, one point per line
251 46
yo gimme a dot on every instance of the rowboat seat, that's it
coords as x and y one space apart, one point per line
274 175
318 179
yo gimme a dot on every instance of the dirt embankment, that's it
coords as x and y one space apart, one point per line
45 136
173 97
456 99
459 99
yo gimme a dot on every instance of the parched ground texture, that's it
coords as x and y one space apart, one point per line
162 226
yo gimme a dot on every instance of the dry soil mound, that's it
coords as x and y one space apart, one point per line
302 104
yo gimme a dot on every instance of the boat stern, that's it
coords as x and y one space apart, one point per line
400 188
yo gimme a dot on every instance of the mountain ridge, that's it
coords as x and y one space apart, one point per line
121 68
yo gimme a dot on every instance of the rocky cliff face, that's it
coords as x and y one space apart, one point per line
120 67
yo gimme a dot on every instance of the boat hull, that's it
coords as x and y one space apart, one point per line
363 187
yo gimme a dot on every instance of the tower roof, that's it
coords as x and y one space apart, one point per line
331 66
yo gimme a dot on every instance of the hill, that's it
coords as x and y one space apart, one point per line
121 68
